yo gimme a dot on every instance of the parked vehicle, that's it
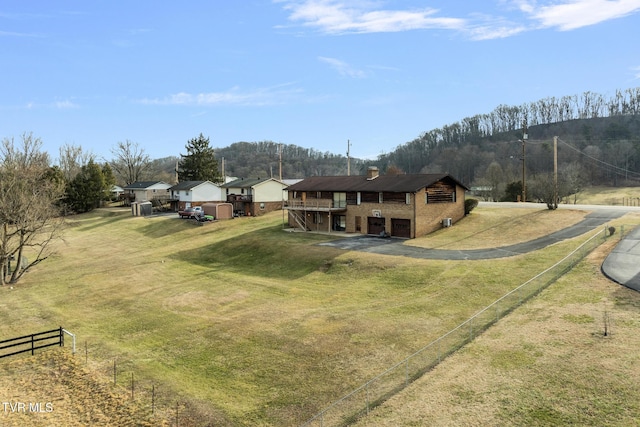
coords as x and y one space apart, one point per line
194 212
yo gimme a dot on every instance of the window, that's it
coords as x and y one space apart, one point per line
395 198
261 206
370 197
339 200
339 222
317 218
352 198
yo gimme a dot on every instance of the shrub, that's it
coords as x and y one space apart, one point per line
469 205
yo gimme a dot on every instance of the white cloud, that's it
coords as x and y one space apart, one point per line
335 17
65 105
636 73
234 96
59 105
494 30
573 14
14 34
362 16
342 67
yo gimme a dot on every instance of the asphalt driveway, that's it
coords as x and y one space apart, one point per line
395 246
622 265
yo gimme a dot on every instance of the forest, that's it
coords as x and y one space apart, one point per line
597 144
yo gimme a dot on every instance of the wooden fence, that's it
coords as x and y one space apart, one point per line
32 342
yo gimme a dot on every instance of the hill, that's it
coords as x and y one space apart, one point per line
597 146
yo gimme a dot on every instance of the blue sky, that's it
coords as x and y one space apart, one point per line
314 73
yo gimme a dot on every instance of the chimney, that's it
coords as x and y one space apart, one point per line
372 173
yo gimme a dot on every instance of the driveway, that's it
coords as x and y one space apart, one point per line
622 265
394 246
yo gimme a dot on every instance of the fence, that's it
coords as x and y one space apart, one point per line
363 399
33 342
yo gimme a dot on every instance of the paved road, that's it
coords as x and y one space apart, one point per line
391 246
622 265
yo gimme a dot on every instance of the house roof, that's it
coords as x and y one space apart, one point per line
141 185
389 183
188 185
245 182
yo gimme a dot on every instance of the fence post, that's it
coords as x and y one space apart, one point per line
406 373
32 345
367 389
61 337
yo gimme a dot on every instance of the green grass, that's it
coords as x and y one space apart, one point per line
264 326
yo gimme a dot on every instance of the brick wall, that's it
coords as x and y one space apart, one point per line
268 207
425 217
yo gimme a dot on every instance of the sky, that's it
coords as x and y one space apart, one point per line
331 75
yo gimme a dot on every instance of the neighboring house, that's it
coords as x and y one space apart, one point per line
254 197
288 182
195 193
398 205
116 191
152 191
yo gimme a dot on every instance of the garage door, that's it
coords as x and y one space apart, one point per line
375 225
401 227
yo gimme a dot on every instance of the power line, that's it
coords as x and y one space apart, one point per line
609 166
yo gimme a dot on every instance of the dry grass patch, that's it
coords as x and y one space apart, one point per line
68 394
548 363
607 196
489 227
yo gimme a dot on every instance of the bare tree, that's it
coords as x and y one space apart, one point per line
495 179
72 159
29 214
574 177
543 189
131 163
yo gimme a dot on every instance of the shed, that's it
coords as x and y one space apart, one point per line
218 210
146 208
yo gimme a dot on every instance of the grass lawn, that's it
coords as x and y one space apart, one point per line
253 325
547 364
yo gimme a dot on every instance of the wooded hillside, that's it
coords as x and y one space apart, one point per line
598 144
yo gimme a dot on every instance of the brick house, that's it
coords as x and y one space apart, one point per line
398 205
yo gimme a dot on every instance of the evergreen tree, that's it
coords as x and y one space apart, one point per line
87 189
109 179
199 164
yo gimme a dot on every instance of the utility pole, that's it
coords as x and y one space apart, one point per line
525 136
348 158
555 171
280 162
